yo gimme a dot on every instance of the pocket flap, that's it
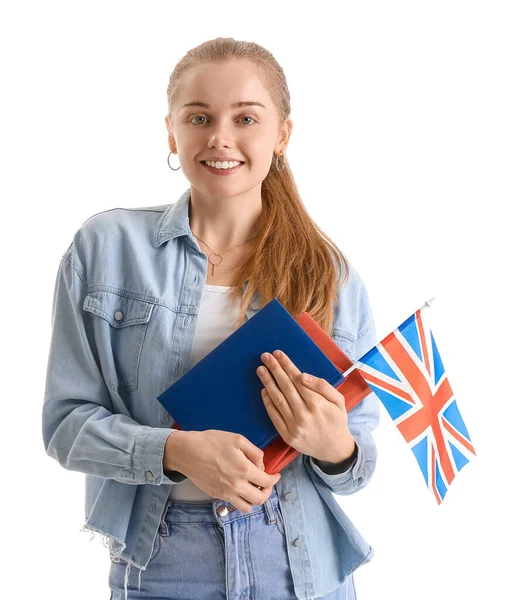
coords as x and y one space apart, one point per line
117 309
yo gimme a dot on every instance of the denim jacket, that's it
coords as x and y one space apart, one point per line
126 297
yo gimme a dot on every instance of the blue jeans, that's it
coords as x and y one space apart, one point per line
203 552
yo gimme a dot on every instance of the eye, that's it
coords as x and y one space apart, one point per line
197 116
203 117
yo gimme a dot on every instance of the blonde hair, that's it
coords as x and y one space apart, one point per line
290 257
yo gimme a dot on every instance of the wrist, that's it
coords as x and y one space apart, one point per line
346 453
331 468
173 450
342 462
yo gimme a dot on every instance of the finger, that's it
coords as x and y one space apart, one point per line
266 486
306 394
277 396
284 390
275 415
324 388
265 480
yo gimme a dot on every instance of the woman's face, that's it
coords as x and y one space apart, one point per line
247 133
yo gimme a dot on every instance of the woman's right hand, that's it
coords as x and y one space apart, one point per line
223 464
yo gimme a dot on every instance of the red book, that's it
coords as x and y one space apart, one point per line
278 454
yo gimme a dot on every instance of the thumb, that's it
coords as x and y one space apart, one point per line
252 452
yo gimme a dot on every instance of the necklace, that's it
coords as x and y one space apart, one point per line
215 264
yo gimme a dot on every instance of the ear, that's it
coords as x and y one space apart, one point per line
172 142
287 128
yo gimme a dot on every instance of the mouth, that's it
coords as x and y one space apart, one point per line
223 172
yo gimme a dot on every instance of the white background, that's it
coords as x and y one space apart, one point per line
404 150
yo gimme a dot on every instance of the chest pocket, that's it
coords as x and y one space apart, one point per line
120 326
346 341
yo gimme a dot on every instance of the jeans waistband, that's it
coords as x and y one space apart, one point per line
183 511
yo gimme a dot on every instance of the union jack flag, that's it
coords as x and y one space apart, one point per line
406 372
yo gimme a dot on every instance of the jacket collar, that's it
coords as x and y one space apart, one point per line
175 222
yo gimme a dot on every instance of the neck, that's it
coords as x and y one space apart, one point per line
224 222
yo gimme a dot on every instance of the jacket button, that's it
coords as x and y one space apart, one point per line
299 542
119 315
149 476
289 496
222 510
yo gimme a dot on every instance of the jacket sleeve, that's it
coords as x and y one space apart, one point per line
362 420
79 428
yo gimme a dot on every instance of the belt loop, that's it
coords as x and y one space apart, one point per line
164 526
271 518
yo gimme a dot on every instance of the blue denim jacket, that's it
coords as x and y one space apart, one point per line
126 296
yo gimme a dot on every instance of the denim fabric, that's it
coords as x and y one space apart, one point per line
125 305
202 552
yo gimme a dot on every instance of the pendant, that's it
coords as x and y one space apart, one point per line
214 264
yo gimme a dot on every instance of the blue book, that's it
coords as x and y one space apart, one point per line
222 390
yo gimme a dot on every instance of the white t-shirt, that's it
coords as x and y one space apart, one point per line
215 322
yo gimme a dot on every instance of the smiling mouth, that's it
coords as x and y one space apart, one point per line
217 171
205 162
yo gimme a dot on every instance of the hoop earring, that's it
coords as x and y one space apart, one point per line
283 166
170 164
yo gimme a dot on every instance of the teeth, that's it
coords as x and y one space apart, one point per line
222 165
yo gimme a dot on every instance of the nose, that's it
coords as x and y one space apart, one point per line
220 136
218 141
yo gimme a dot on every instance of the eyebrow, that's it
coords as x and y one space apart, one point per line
234 105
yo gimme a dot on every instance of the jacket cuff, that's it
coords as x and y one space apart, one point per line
174 476
338 468
348 481
148 458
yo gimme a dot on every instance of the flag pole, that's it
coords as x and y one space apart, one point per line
426 304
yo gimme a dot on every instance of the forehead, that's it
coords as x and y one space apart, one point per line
222 84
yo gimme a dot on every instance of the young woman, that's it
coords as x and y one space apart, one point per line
143 294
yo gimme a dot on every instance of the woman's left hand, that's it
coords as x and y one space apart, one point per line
309 416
